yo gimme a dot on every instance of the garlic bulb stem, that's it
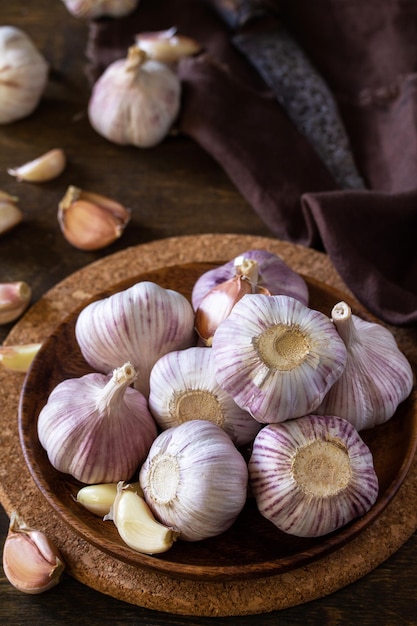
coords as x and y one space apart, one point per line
115 388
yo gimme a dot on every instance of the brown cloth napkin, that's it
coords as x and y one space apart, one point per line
367 53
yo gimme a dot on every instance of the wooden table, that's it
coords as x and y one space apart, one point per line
174 189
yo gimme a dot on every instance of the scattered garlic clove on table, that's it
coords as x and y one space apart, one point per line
18 358
46 167
10 213
14 299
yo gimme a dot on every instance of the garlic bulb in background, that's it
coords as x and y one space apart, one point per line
135 101
273 274
183 387
91 9
97 428
312 475
23 75
377 377
276 357
195 480
139 324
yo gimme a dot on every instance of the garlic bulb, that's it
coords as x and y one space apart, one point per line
139 324
45 167
31 562
14 300
97 428
92 9
216 305
135 101
276 357
312 475
91 221
195 480
273 274
183 387
167 46
10 213
23 75
377 377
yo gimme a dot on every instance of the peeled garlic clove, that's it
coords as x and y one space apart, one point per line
18 358
139 324
92 9
14 300
312 475
276 357
136 524
98 499
273 274
46 167
195 480
10 213
23 75
31 562
97 428
135 101
90 221
377 376
167 46
183 387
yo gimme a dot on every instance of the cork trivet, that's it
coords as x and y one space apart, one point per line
151 589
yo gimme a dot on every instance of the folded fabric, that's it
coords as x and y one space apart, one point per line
227 108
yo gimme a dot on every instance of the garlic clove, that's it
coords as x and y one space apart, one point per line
167 46
18 358
14 300
194 479
377 376
183 387
46 167
276 357
90 221
92 9
98 499
137 525
31 562
10 213
312 475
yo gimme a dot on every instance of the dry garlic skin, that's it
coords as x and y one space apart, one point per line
276 357
312 475
195 480
183 387
377 376
138 325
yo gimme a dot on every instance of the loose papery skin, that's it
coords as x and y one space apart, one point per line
276 357
377 376
312 475
183 387
97 428
195 480
274 274
139 324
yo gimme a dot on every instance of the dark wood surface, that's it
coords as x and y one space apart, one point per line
174 189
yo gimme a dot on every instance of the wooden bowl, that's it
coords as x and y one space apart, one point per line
253 546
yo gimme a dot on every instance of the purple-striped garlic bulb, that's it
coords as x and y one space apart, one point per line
377 376
183 387
276 357
139 325
194 480
312 475
97 428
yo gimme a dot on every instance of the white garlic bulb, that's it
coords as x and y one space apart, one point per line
92 9
377 376
183 387
276 357
97 428
312 475
23 75
135 101
194 480
139 324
